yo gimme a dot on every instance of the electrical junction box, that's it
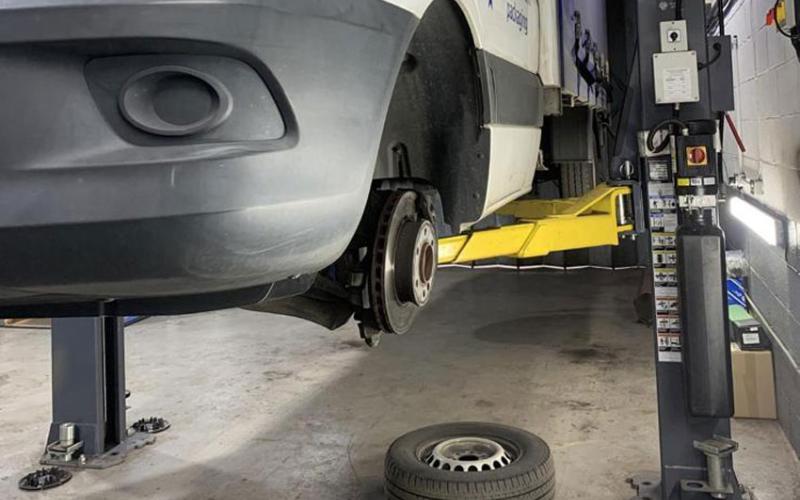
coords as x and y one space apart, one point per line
674 37
676 77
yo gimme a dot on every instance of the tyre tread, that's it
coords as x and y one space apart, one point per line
538 483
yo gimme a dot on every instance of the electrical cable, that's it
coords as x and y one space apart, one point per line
718 49
631 69
721 173
782 31
651 135
714 21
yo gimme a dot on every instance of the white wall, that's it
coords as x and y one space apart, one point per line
767 80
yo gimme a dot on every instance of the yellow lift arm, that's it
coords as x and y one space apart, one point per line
545 226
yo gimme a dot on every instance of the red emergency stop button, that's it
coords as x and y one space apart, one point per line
697 156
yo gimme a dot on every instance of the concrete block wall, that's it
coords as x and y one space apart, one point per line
774 287
767 92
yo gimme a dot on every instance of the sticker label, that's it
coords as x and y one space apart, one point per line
670 357
663 202
677 84
665 258
664 222
667 292
751 338
659 171
666 276
663 240
667 305
663 208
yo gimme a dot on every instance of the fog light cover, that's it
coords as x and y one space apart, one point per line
174 101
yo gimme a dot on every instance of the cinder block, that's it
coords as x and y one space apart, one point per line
786 143
787 395
747 60
762 56
751 167
776 48
730 160
794 297
788 75
771 100
776 314
749 131
748 100
766 142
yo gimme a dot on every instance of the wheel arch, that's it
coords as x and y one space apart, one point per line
434 130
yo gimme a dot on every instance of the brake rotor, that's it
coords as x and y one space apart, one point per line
403 263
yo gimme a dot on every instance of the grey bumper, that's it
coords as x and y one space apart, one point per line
95 206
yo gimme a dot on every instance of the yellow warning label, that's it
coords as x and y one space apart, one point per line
684 182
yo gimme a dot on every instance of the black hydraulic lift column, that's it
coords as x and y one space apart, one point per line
692 345
89 427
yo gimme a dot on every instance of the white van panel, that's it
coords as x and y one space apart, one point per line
506 28
514 153
549 44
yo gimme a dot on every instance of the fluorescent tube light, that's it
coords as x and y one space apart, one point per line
756 219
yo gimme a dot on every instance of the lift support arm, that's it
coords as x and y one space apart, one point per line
546 226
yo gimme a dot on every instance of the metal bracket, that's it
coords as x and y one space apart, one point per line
647 485
715 449
109 458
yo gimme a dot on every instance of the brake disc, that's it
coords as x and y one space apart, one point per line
403 263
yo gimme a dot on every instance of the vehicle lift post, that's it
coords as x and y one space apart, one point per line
89 428
693 372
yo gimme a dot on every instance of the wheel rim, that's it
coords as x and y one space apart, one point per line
469 454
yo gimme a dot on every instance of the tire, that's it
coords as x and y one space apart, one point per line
530 475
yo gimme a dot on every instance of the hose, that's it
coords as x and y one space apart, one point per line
651 135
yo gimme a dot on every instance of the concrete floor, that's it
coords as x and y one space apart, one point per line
266 407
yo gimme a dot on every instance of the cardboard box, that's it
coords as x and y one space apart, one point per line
753 384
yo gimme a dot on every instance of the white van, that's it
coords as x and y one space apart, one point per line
290 156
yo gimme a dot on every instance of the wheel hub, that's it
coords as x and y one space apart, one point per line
469 454
416 262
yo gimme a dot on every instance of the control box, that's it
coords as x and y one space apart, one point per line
676 77
675 70
674 36
696 182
